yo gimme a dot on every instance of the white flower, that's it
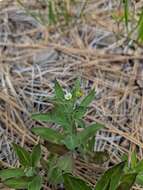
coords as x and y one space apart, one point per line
68 96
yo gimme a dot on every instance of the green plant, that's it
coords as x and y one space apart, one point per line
134 165
116 179
68 110
123 175
28 175
126 13
71 111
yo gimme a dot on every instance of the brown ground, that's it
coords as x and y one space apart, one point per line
96 49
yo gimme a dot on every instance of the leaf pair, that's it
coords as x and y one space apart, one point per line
56 115
33 183
10 173
26 176
115 179
58 166
82 138
49 134
71 141
25 158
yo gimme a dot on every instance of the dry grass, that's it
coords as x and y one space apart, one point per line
32 56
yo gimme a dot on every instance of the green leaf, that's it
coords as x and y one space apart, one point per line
35 184
23 155
127 181
117 174
79 112
80 123
54 173
71 142
89 132
88 99
59 91
139 179
70 182
17 183
65 163
106 179
30 172
140 28
91 144
51 14
35 155
139 167
125 159
82 108
104 185
76 88
9 173
126 12
56 115
49 134
133 160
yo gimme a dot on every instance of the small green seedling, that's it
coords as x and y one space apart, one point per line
68 111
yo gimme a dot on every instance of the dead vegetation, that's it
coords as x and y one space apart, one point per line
96 50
